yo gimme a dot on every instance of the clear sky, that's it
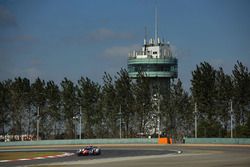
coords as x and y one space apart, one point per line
53 39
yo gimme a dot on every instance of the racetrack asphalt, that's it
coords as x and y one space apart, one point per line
105 154
153 155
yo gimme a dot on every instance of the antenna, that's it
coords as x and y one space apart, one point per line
156 24
145 37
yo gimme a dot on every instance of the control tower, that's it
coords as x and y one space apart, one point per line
156 61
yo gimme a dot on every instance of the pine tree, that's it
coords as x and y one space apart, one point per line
89 95
224 96
20 91
110 110
143 102
70 106
53 116
38 95
125 100
5 106
177 112
241 82
204 94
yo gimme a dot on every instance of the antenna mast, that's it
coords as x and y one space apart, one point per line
145 37
156 25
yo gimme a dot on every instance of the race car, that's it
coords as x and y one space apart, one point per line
89 150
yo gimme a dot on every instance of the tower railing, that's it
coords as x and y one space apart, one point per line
148 55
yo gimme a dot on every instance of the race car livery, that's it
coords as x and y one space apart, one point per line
89 150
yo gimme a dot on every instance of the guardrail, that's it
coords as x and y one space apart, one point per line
169 60
217 140
82 141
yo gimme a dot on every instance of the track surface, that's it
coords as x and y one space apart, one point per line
106 153
141 156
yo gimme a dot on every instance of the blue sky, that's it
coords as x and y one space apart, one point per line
53 39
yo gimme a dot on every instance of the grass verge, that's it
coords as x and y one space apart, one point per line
21 155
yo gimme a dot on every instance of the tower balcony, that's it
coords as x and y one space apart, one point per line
153 67
166 60
155 74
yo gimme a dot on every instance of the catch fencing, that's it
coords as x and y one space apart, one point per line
82 141
217 140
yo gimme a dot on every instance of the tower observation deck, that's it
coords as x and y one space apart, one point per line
156 61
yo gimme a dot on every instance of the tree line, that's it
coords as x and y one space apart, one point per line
121 104
213 90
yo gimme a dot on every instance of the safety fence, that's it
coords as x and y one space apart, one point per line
217 140
128 141
82 141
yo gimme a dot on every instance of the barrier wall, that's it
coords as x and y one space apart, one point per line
126 141
217 140
82 141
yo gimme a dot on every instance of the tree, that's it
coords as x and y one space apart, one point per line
125 100
177 111
204 94
143 102
224 96
5 106
89 95
38 95
20 91
109 107
69 106
53 117
241 91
